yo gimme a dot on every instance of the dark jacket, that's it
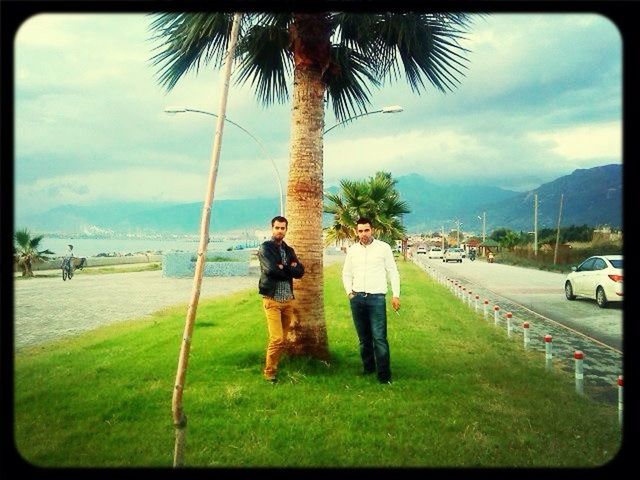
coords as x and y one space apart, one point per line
269 256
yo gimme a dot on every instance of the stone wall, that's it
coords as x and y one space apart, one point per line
97 261
180 264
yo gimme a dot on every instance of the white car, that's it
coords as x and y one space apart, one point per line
435 252
421 250
452 254
598 277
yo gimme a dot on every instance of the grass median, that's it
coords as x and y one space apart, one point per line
463 395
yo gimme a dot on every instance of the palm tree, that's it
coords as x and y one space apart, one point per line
334 57
375 198
27 253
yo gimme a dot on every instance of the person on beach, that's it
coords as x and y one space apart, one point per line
279 265
364 276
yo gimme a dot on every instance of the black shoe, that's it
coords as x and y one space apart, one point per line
272 380
386 382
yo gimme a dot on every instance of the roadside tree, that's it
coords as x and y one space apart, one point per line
376 198
334 58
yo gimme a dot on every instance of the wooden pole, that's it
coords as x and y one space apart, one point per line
179 417
555 254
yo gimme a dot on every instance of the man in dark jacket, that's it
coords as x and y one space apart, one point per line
279 265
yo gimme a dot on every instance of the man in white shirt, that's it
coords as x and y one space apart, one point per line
364 276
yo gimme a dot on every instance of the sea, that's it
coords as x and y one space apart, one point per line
91 247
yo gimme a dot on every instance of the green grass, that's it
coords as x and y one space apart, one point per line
220 258
131 267
463 394
101 270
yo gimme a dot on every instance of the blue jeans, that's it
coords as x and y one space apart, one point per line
369 314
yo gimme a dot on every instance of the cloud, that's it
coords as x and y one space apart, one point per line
584 142
542 96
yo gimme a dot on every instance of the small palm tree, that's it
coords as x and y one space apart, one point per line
334 57
375 198
26 251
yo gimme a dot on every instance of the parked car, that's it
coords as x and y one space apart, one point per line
598 277
452 254
435 252
421 250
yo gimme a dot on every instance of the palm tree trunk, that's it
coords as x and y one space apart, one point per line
27 269
304 211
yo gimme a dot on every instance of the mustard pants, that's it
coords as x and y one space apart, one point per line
279 318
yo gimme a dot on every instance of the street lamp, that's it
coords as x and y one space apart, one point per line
174 110
388 109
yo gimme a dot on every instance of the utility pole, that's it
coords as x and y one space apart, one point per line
484 226
535 224
458 231
555 254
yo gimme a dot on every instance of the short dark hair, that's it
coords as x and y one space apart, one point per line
363 220
279 218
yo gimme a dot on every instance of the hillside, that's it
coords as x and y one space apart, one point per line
591 196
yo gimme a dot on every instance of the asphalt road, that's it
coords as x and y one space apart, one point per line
537 297
541 292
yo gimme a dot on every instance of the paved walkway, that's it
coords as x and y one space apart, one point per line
47 308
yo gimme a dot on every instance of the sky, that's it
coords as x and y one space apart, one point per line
542 97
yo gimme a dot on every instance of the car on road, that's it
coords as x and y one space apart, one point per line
421 250
598 277
453 254
435 252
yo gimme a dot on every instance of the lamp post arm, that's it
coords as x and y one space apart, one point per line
264 151
351 118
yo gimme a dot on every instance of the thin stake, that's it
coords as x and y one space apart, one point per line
179 417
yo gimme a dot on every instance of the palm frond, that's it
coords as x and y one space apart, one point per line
427 45
266 61
23 238
187 41
347 81
357 31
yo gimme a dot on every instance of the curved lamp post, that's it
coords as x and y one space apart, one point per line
389 109
264 151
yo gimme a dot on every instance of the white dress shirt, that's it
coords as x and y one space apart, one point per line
366 267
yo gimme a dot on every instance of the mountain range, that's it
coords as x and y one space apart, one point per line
589 196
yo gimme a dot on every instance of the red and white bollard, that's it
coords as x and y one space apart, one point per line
579 358
620 385
463 295
484 308
469 298
527 339
509 315
477 297
548 354
496 308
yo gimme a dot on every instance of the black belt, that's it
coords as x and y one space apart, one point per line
365 294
